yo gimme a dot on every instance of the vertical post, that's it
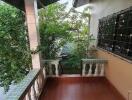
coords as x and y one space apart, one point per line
50 68
102 70
56 69
36 88
44 72
96 70
33 93
32 23
83 70
90 69
28 96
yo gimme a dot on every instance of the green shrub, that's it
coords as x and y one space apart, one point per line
15 57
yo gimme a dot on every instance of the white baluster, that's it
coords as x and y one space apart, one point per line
84 69
50 69
90 70
102 70
40 86
35 91
28 96
44 72
36 88
32 93
56 69
96 70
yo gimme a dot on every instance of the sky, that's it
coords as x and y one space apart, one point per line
69 5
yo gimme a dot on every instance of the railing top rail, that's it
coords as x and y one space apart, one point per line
20 91
98 60
50 60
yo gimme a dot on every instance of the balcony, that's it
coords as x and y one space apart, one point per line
90 84
79 88
108 77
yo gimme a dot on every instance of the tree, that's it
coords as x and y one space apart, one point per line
79 28
58 27
54 31
15 57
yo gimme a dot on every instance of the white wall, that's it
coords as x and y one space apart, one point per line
104 8
118 72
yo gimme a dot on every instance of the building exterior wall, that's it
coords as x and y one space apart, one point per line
118 71
103 8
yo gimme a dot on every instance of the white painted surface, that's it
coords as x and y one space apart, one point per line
3 94
104 8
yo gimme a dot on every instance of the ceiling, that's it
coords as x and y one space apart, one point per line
20 3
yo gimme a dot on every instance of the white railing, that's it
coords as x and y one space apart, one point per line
30 88
51 64
93 67
32 85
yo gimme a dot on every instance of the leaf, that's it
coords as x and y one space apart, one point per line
15 57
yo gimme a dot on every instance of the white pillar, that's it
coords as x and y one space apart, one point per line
28 96
56 69
83 69
44 72
96 70
33 97
50 69
102 70
32 23
90 70
36 88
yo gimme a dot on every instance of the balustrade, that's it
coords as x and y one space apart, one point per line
51 64
93 67
30 88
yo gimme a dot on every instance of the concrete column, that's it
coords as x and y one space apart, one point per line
32 23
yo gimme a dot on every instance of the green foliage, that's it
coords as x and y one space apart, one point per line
53 30
80 31
79 24
14 51
58 27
